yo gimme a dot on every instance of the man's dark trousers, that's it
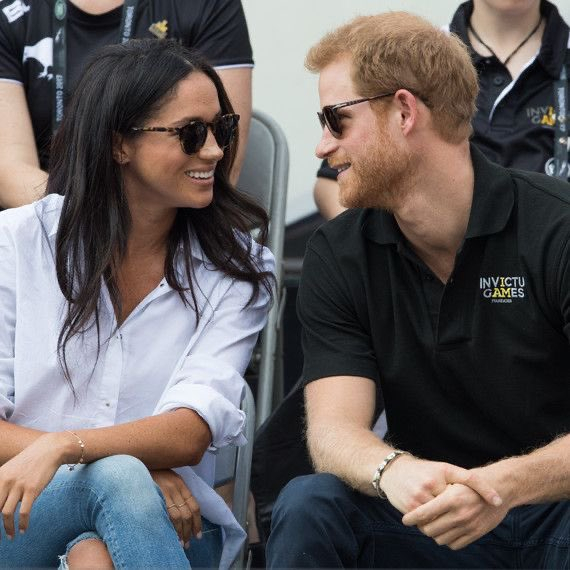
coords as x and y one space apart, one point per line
318 521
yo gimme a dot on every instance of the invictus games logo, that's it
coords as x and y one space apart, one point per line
544 115
159 29
501 289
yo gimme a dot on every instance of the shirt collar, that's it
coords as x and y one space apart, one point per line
552 53
493 199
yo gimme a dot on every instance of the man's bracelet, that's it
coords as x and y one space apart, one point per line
382 467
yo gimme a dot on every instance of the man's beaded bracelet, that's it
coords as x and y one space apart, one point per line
382 467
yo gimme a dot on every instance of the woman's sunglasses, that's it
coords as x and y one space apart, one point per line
193 135
330 118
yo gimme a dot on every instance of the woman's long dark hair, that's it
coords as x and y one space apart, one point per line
121 88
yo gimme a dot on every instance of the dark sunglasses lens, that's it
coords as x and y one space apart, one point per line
193 136
332 121
225 129
321 119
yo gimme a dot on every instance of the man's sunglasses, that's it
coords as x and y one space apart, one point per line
330 118
193 135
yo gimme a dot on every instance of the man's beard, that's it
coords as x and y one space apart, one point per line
383 178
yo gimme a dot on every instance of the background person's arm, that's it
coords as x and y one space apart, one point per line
326 196
21 179
222 35
237 82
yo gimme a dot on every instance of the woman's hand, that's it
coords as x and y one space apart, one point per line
182 507
26 475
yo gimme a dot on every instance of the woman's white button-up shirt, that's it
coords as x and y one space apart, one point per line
159 359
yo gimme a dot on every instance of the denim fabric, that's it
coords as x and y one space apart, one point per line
203 553
320 522
114 497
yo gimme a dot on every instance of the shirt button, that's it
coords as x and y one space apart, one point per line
429 277
498 80
107 404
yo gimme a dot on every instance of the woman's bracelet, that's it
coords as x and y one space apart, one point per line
82 456
382 467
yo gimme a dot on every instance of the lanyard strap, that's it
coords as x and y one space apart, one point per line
561 138
59 20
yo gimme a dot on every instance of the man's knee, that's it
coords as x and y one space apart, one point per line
311 497
311 524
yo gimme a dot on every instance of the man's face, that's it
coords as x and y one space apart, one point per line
374 166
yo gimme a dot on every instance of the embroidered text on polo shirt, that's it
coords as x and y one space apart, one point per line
502 289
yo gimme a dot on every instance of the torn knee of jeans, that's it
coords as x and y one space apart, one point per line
90 535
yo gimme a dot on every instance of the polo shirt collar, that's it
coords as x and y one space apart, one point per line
554 40
493 199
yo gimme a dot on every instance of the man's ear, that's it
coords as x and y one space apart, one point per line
119 153
408 107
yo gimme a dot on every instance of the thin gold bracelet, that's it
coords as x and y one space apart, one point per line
82 456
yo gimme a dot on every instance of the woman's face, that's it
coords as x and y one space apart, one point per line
157 173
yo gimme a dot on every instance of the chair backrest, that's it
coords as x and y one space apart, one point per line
264 176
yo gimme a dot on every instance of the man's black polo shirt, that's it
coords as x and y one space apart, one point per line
471 371
514 123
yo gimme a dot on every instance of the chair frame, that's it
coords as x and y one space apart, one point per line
270 385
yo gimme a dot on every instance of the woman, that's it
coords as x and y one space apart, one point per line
130 299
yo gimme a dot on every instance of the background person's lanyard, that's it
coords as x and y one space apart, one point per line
561 135
60 51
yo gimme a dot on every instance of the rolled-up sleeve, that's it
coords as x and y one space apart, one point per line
209 379
7 324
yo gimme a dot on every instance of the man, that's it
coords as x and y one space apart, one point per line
446 287
28 53
520 50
